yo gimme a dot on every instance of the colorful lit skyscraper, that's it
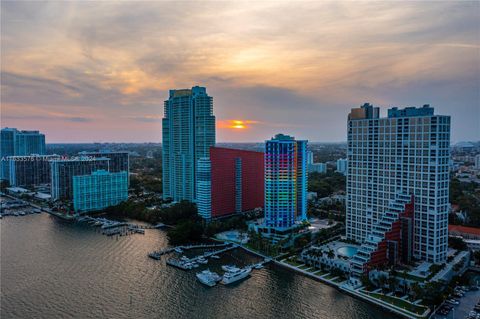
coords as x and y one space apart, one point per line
188 130
285 183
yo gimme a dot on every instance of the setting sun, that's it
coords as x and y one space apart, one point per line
235 124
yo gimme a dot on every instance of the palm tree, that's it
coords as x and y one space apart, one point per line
392 283
382 280
404 282
330 254
416 290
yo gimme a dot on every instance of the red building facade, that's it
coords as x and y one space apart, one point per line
237 181
397 246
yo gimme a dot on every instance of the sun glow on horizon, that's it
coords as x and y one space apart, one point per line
236 124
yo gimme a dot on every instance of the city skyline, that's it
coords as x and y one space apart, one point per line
68 75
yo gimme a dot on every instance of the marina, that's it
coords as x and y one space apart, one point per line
16 207
111 227
179 249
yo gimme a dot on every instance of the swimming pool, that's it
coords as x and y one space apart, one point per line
347 251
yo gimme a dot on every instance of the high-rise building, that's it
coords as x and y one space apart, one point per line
285 183
119 161
99 190
14 142
230 181
342 165
477 161
188 129
317 167
392 163
63 170
309 157
27 171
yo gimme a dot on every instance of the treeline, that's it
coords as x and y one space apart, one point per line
326 184
188 226
467 197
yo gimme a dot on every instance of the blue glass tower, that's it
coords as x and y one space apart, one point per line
188 132
19 143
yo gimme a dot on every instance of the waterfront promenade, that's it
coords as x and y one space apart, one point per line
341 284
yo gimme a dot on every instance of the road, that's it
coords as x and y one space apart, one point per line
466 305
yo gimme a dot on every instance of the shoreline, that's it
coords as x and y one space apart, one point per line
352 293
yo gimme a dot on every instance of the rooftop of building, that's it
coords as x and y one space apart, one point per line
234 149
464 229
283 137
81 159
368 111
13 129
196 90
49 156
102 152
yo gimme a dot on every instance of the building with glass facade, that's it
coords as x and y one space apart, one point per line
188 129
27 171
285 183
342 165
393 162
99 190
63 170
19 143
230 181
317 167
119 161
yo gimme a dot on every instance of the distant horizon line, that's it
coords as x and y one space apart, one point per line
226 142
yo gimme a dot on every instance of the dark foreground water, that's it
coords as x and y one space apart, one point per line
56 269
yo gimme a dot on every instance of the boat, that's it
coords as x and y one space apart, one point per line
202 260
178 250
155 255
215 256
180 264
195 265
258 266
185 258
229 268
234 276
208 277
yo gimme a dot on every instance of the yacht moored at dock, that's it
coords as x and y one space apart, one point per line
208 277
236 275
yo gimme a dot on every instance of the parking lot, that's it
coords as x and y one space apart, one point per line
465 306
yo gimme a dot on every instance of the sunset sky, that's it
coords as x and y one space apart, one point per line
100 71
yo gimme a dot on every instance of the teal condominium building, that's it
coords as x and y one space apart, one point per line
188 129
99 190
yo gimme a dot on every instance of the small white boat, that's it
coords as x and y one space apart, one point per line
258 266
208 278
178 250
215 256
202 260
